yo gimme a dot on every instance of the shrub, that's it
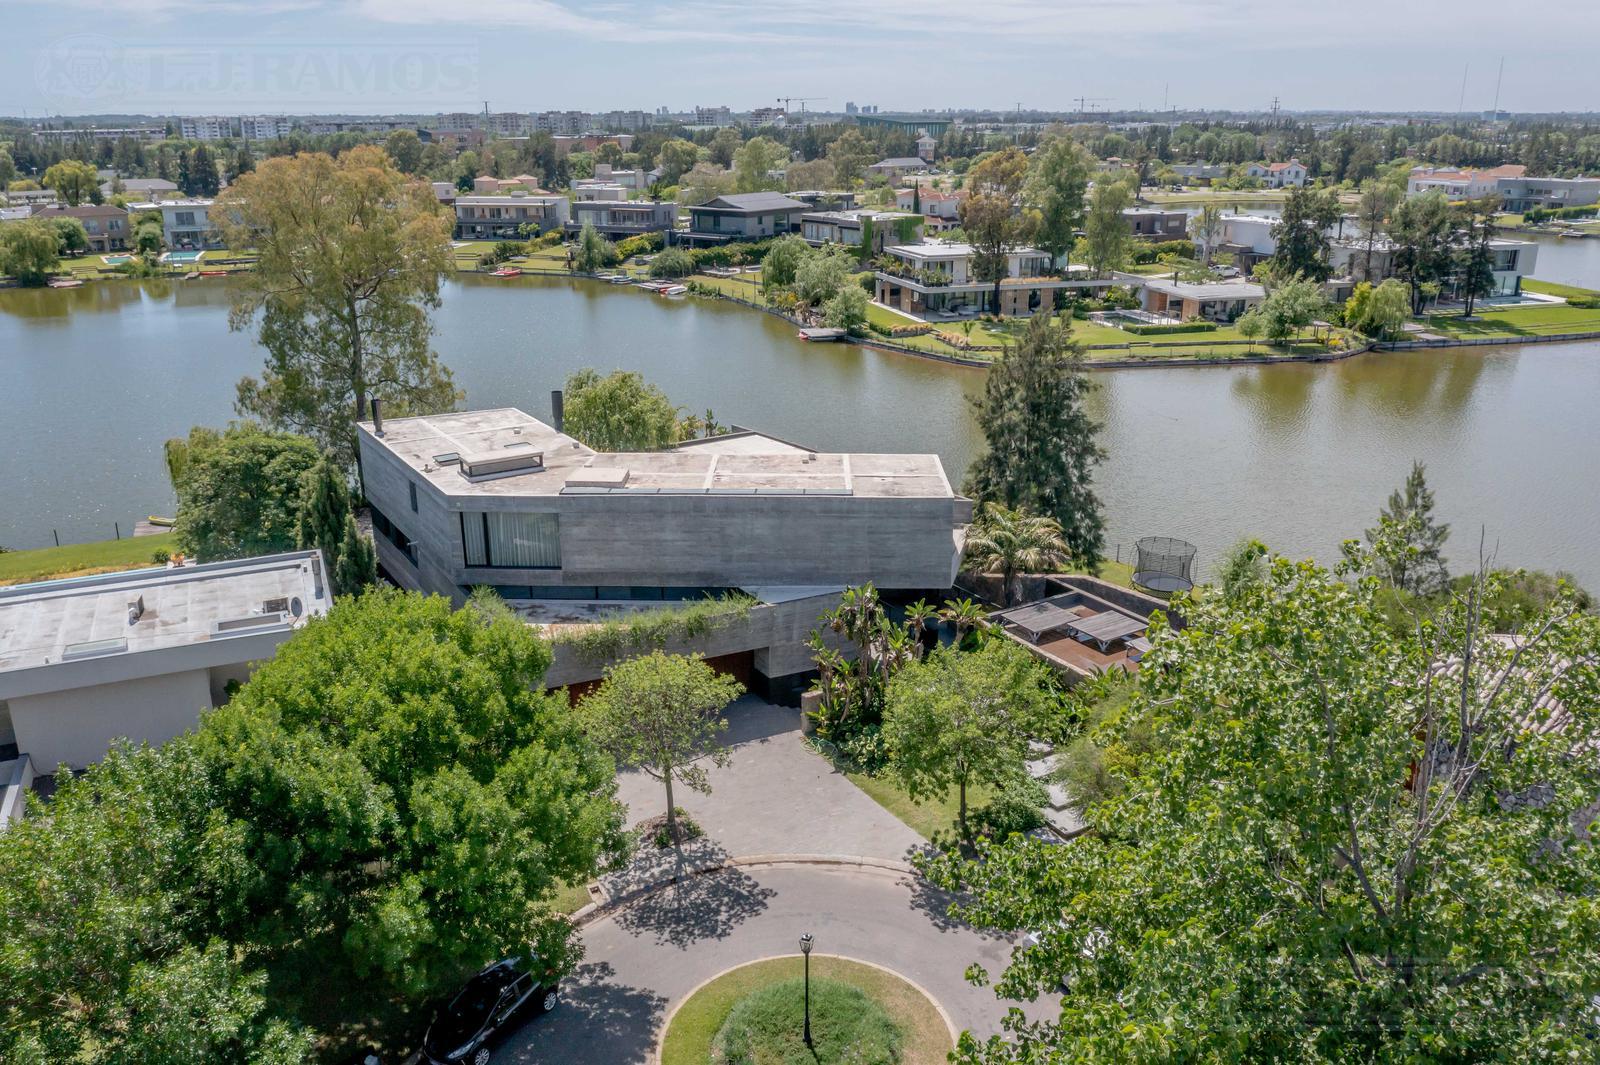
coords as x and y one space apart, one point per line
1587 302
673 263
1018 807
652 630
846 1026
161 556
643 244
1181 327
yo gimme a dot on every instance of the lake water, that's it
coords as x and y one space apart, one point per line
92 380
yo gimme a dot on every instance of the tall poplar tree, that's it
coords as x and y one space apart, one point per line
1041 449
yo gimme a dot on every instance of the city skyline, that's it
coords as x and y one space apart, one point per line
364 57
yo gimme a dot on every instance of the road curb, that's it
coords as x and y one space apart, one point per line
595 911
666 1023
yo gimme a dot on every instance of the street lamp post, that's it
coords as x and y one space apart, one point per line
805 948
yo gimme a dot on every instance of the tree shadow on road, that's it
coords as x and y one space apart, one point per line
698 906
599 1021
935 903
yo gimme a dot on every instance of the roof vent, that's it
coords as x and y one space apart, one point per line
249 624
447 458
135 610
280 605
501 463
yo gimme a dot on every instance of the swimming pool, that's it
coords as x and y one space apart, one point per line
182 257
116 260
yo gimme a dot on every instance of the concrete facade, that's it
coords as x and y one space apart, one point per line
628 530
743 216
619 220
511 217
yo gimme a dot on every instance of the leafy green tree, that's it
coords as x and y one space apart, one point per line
30 251
1040 442
675 158
74 181
782 262
241 496
672 263
1014 543
851 153
1251 326
1378 312
357 565
241 162
180 450
1206 230
1107 238
594 252
994 228
847 309
404 147
662 713
821 275
852 687
1347 845
754 162
1301 233
343 321
959 718
811 174
147 238
110 899
1416 565
619 412
1290 307
406 795
71 237
723 144
8 169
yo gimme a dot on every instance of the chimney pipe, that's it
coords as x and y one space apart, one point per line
558 408
377 416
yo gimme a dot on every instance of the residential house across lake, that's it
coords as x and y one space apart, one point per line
513 217
105 225
742 216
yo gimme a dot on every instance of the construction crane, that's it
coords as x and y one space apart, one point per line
787 100
1085 101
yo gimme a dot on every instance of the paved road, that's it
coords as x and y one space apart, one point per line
645 959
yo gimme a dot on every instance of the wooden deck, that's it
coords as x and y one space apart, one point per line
1085 656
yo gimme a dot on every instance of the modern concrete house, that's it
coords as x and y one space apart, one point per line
503 217
141 653
889 228
499 498
1520 194
744 216
619 220
105 225
1154 224
1217 301
936 278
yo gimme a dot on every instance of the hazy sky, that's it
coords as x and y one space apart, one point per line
238 56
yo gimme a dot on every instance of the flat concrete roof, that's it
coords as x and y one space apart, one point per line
1196 290
79 618
428 445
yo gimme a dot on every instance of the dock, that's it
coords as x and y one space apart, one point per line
820 335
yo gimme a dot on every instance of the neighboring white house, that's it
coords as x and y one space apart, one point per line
1217 301
934 278
185 224
1279 175
141 653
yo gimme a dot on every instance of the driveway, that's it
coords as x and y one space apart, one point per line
775 797
644 960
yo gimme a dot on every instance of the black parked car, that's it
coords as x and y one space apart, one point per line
487 1009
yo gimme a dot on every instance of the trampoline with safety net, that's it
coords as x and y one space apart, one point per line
1163 564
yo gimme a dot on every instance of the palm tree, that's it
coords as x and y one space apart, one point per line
965 615
1015 542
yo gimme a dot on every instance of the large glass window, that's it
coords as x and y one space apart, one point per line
511 541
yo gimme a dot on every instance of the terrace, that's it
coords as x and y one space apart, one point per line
1078 632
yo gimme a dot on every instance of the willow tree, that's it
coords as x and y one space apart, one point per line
349 257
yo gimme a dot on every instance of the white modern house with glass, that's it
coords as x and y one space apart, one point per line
568 534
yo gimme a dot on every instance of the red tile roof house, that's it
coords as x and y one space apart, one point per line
107 226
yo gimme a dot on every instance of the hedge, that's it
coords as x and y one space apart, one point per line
1181 327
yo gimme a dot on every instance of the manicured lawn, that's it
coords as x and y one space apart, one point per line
571 898
76 560
745 286
926 1038
1519 321
1552 288
930 817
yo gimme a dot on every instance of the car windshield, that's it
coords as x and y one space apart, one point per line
466 1013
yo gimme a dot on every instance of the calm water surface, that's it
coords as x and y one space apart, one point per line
92 380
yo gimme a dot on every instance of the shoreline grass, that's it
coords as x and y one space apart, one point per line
81 560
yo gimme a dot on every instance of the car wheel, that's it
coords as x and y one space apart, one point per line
481 1057
548 1001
